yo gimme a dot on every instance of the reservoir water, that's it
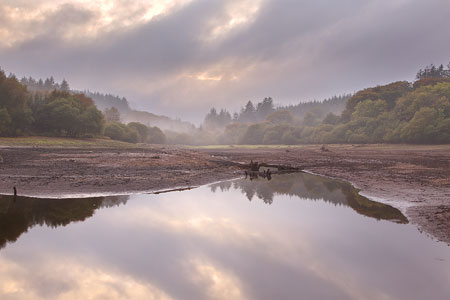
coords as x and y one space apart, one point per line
296 236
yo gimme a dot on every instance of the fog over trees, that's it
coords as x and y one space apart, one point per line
398 112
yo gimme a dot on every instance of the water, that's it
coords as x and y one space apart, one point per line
299 237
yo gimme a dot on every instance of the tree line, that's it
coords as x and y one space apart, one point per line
399 112
106 101
46 108
250 113
58 113
102 101
46 85
133 132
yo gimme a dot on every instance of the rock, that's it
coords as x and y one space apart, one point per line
323 148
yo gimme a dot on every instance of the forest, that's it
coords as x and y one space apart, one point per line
46 108
398 112
105 101
57 113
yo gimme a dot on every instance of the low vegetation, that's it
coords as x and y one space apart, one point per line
63 142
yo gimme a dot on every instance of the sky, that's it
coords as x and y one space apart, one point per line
182 57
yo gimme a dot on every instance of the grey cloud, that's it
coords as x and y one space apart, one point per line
284 22
293 50
67 15
157 47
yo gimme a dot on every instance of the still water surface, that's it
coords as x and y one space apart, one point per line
297 236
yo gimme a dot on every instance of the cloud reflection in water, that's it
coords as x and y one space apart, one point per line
203 245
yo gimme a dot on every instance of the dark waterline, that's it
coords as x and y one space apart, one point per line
295 236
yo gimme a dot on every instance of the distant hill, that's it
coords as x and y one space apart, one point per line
400 112
163 122
105 101
335 105
264 110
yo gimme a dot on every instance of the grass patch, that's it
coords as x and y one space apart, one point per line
39 141
247 146
394 147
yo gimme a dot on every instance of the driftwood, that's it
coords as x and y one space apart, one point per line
254 166
254 171
174 190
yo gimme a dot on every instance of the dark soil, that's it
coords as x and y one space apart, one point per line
65 172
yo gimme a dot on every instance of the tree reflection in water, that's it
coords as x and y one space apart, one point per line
18 214
314 188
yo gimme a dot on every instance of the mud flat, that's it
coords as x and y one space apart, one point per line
415 179
74 172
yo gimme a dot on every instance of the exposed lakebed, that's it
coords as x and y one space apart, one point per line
295 236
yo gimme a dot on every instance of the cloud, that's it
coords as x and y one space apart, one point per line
172 248
181 57
71 280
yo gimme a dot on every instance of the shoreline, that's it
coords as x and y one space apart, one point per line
413 179
68 195
396 204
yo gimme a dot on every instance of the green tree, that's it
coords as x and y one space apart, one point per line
92 121
112 115
254 134
280 117
14 99
233 133
142 130
115 131
274 134
121 132
310 119
369 109
156 136
289 138
264 108
64 86
422 127
389 93
214 120
331 119
131 135
248 113
5 122
65 114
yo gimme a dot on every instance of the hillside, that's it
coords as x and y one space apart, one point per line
399 112
106 101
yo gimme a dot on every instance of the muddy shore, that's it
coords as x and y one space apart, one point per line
69 172
415 179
